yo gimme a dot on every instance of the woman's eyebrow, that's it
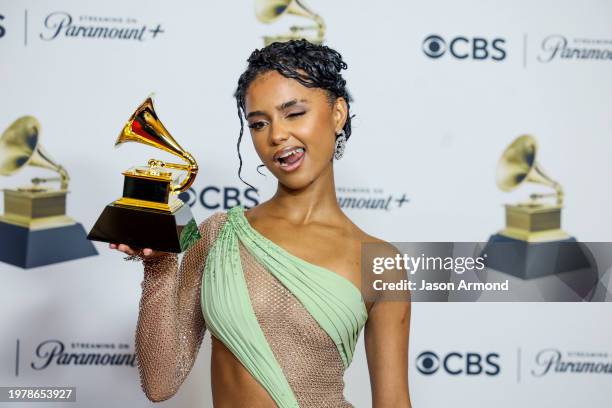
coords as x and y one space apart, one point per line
288 104
255 113
281 107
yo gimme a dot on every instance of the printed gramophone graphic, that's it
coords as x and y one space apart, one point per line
533 243
34 229
150 214
268 11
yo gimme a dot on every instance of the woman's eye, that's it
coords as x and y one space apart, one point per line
256 125
294 114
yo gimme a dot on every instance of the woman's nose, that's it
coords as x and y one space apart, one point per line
278 134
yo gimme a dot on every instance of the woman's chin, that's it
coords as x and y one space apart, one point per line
301 179
294 181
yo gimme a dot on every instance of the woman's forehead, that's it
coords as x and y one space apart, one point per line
272 88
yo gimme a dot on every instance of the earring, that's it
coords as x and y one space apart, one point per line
340 145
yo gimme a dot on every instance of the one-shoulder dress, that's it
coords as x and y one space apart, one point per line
292 324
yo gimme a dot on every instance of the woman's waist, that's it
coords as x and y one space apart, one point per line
313 383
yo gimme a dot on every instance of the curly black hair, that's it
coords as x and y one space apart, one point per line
312 65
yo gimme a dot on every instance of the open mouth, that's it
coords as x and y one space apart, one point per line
291 159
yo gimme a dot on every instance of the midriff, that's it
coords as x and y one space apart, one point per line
232 385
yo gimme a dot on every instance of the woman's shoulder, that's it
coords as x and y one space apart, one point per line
217 217
380 255
369 246
363 237
372 245
211 225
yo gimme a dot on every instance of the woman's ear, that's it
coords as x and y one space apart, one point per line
340 113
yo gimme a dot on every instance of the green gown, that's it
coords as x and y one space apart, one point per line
332 300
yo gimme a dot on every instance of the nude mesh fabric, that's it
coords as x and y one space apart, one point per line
308 356
166 353
170 324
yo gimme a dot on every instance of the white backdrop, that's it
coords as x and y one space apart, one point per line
429 130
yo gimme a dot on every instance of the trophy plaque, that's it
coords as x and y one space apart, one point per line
533 243
268 11
34 229
150 214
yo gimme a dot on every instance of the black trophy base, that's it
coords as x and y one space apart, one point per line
144 228
27 248
529 260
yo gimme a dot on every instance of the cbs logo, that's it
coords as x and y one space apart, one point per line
456 363
478 48
213 197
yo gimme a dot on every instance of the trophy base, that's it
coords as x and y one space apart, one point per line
534 223
528 260
145 228
27 248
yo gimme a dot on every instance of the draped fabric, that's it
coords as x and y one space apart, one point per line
332 300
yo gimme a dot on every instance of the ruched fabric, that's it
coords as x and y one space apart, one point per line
332 300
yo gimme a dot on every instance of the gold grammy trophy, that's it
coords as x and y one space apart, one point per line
533 243
268 11
150 214
34 229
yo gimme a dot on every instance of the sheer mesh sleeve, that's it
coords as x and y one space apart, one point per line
170 324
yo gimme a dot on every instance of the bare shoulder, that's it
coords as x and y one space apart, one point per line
363 237
372 248
374 255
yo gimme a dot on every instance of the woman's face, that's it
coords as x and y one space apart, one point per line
286 117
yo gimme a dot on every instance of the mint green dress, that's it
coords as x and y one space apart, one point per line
332 300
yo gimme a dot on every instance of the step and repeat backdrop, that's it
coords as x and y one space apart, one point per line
440 89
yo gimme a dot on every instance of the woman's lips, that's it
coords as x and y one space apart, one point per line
297 159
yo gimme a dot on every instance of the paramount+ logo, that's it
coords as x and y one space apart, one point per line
457 363
465 48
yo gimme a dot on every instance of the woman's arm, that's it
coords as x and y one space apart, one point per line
386 341
170 324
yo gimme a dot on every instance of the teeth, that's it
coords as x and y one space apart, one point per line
287 154
294 151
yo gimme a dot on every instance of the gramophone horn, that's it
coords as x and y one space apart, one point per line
269 10
19 147
145 127
518 165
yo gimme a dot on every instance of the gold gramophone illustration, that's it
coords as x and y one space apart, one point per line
34 229
150 214
533 243
268 11
534 220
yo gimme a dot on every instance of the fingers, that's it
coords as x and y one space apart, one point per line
122 248
130 251
126 249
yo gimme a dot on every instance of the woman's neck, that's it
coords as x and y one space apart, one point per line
316 202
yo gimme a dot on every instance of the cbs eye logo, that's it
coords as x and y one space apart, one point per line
427 363
460 47
434 46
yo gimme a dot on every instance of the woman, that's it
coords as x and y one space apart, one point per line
276 285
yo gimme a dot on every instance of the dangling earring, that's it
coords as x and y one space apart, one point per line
340 145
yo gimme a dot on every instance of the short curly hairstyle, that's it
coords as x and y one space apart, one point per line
312 65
